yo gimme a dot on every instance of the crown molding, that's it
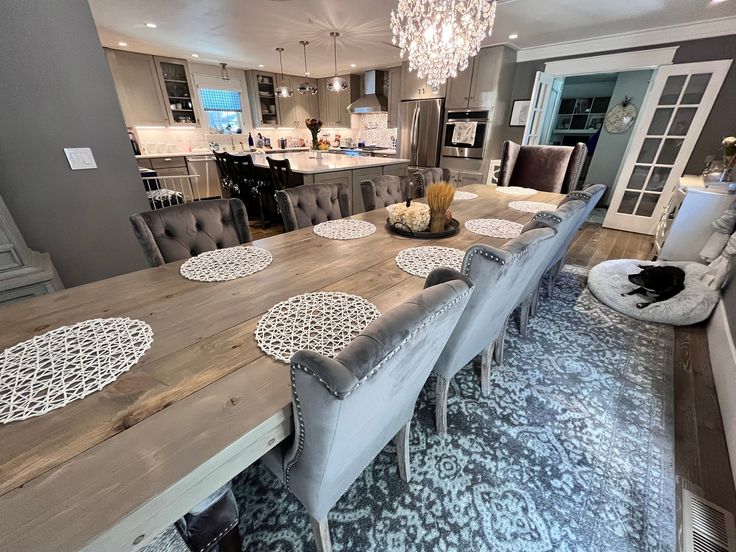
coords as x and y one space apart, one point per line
648 37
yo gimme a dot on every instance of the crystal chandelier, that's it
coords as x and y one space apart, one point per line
306 87
336 84
439 36
283 91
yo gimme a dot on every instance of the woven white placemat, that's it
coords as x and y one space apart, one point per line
515 190
55 368
460 196
324 322
344 229
495 228
532 206
226 264
420 261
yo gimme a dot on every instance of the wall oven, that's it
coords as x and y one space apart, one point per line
465 133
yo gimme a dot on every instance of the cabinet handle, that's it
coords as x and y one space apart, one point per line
167 158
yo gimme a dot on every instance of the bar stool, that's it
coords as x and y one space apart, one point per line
246 177
225 172
280 173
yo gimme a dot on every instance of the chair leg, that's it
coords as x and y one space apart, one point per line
498 349
534 304
486 361
440 409
402 451
321 530
553 274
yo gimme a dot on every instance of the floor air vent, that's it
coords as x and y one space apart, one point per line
705 526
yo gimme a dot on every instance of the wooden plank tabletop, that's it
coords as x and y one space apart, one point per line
204 386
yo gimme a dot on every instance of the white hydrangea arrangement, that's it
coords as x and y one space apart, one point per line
415 216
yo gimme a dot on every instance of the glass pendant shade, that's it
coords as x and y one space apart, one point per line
306 87
224 75
336 84
440 36
282 91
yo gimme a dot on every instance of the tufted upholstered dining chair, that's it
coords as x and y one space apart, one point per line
212 525
544 168
183 231
385 190
500 276
424 177
348 408
311 204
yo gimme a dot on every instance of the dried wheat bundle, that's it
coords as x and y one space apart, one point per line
439 198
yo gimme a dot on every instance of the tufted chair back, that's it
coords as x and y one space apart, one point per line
424 177
183 231
544 168
385 190
311 204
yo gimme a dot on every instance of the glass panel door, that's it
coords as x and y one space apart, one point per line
543 89
670 122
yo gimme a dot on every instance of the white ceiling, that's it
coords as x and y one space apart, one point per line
245 33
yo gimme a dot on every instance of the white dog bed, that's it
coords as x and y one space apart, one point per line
608 280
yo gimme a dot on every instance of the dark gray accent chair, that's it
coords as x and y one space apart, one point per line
500 277
385 190
212 525
348 408
424 177
183 231
544 168
311 204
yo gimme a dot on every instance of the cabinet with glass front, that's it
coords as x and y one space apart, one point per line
581 115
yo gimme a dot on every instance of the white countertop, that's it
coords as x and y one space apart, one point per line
206 152
307 163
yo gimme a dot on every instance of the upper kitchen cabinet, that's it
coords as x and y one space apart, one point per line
176 84
295 110
393 93
414 88
139 91
333 106
262 98
477 86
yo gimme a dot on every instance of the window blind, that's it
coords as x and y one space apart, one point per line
220 100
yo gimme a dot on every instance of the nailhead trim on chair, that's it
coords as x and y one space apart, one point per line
585 196
548 216
332 391
475 249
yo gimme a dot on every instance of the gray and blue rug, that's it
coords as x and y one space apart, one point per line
572 451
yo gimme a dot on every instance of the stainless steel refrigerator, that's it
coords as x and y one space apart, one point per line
420 136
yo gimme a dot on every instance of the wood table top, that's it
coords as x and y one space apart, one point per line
108 452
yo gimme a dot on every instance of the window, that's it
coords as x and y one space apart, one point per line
223 109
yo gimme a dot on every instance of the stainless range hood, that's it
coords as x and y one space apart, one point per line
372 100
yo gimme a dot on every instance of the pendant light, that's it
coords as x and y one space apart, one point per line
283 91
306 87
224 74
336 84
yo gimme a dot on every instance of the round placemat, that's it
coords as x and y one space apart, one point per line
532 206
460 196
324 322
226 264
55 368
515 190
420 261
495 228
344 229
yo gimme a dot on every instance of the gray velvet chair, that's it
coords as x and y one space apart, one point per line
500 277
544 168
424 177
183 231
385 190
348 408
311 204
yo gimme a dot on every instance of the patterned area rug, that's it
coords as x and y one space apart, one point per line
571 451
597 215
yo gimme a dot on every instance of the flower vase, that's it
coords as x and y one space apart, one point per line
315 140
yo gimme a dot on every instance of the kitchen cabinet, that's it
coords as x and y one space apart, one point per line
138 88
176 86
262 98
414 88
293 111
393 94
475 87
333 106
465 178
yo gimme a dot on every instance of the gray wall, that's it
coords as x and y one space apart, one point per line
57 92
720 123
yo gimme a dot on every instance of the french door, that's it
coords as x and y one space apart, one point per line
669 123
543 95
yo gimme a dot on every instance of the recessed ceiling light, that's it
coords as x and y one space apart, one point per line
260 65
122 43
716 1
195 55
513 36
353 65
151 25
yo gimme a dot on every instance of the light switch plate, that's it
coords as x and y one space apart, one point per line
80 158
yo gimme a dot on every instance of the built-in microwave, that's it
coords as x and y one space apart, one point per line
465 133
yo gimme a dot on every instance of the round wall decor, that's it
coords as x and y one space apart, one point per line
460 195
621 117
515 190
532 206
344 229
420 261
495 228
226 264
55 368
324 322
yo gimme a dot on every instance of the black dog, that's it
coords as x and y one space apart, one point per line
657 282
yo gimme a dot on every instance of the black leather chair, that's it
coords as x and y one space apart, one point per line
225 172
183 231
307 205
246 178
280 173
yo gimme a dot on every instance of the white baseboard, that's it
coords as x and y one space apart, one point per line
723 362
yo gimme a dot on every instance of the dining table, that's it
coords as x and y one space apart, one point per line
112 470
